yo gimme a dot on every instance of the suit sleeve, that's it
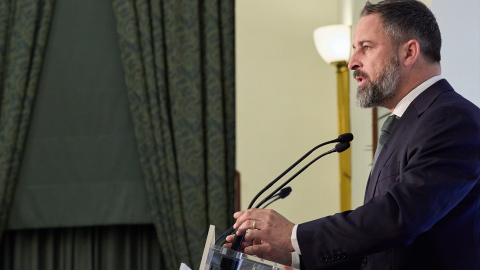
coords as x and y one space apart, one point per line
426 177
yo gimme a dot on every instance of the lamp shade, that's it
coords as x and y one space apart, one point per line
333 42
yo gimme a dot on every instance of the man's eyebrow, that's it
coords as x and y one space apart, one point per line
361 42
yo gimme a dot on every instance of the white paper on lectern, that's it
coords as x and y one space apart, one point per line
210 241
184 267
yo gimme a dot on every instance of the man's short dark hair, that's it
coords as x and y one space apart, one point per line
404 20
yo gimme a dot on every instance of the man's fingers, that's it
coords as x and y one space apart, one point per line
269 252
257 242
265 224
245 243
238 214
248 215
229 238
258 250
250 224
252 236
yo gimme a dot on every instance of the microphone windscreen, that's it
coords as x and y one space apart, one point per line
285 192
346 137
340 147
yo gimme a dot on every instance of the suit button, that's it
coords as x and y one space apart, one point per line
339 255
364 262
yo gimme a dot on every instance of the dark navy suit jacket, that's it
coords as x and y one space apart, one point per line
422 202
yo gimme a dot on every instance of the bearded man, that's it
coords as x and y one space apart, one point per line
422 200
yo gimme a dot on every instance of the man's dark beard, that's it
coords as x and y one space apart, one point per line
376 93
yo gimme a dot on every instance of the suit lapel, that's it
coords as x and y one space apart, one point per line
401 133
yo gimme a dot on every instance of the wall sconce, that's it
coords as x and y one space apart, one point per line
333 44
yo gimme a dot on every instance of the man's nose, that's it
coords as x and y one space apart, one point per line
354 62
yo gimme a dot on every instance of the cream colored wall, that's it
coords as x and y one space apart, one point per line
460 26
286 102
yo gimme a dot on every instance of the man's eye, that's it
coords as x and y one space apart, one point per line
365 48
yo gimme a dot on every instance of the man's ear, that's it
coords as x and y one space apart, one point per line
410 51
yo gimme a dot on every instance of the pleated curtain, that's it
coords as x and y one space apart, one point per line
178 58
24 27
178 63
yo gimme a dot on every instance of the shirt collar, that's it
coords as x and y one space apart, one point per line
405 102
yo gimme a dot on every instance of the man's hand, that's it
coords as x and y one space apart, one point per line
263 250
268 229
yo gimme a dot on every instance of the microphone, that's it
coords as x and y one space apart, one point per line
339 147
343 138
342 145
284 192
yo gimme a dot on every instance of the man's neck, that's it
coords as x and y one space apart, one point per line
412 95
411 80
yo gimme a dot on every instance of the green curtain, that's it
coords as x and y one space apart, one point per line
117 247
178 59
24 26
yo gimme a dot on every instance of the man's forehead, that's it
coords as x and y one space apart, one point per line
369 28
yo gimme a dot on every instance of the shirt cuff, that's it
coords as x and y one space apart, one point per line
293 238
